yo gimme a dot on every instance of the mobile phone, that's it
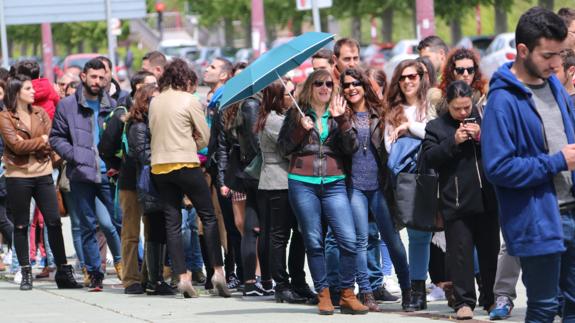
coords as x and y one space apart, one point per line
469 120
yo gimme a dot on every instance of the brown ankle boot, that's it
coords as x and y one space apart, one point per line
324 306
349 304
368 300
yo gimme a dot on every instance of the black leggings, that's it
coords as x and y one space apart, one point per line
156 227
6 226
250 239
42 189
172 187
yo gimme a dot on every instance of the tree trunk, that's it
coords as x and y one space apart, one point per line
356 28
387 24
500 17
297 24
547 4
10 47
228 32
414 18
81 47
323 22
24 49
248 30
456 32
35 50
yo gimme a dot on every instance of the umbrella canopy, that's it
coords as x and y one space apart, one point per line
272 65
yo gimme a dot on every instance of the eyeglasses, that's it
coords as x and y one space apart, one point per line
328 84
461 70
346 85
411 77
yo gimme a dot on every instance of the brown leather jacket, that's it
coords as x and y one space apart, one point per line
17 151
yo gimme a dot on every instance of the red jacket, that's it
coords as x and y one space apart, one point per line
45 96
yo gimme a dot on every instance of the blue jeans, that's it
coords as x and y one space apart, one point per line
85 195
362 202
191 240
559 271
75 226
310 202
418 253
385 259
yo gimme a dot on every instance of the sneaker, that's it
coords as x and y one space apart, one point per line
233 282
45 273
198 277
436 294
134 289
96 281
252 290
382 295
268 287
502 310
391 285
7 257
18 276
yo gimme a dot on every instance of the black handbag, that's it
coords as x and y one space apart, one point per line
417 199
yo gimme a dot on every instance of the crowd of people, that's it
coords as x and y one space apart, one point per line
247 191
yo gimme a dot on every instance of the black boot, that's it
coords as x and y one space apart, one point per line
284 293
65 278
26 283
418 296
405 298
306 292
155 262
481 299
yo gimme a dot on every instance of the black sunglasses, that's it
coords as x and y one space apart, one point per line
328 84
356 83
461 70
411 77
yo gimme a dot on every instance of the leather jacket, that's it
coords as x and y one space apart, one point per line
309 155
17 151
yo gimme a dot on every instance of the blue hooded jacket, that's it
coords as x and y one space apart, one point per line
517 161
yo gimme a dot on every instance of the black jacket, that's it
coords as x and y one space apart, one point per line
238 145
109 146
139 139
308 153
464 189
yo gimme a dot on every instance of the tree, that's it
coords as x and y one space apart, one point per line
502 7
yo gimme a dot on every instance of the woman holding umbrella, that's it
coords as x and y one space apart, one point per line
318 142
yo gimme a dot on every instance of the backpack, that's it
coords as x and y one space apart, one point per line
125 148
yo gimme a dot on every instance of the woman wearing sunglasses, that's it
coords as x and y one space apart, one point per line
368 182
407 116
463 65
318 144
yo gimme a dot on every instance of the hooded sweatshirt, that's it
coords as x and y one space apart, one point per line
518 163
45 96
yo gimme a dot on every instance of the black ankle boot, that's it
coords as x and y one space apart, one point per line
284 293
26 283
405 298
154 261
65 278
305 292
418 296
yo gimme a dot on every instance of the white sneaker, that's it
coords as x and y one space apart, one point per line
391 285
18 277
436 294
8 257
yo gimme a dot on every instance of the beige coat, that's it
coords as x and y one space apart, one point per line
178 127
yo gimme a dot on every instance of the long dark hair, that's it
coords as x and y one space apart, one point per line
448 76
142 99
272 100
372 101
458 89
13 87
395 98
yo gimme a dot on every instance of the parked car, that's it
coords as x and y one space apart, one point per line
378 55
78 60
394 61
501 51
176 47
479 43
245 55
404 49
201 57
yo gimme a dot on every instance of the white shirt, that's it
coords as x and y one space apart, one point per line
416 128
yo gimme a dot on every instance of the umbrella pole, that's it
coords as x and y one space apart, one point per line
291 96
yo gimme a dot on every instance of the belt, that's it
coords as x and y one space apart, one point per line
567 208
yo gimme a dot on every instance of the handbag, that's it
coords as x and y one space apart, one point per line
148 196
254 168
403 155
61 205
417 199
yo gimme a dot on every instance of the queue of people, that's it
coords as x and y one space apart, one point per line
312 169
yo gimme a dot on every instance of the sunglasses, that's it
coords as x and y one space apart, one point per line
411 77
461 70
346 85
318 84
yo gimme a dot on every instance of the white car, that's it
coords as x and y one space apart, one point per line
390 65
404 49
501 51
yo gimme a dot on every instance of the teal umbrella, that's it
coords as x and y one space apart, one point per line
272 65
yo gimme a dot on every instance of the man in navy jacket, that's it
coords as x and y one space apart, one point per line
530 127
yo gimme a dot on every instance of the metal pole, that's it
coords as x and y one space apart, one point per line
315 13
111 45
3 34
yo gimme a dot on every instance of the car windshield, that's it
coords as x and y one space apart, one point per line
173 50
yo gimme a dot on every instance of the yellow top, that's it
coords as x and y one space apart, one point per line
159 169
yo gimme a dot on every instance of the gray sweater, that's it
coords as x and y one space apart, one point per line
274 171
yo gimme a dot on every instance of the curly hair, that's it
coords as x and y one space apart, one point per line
177 75
372 101
142 99
395 97
448 75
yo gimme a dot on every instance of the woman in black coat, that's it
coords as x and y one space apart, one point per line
468 203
